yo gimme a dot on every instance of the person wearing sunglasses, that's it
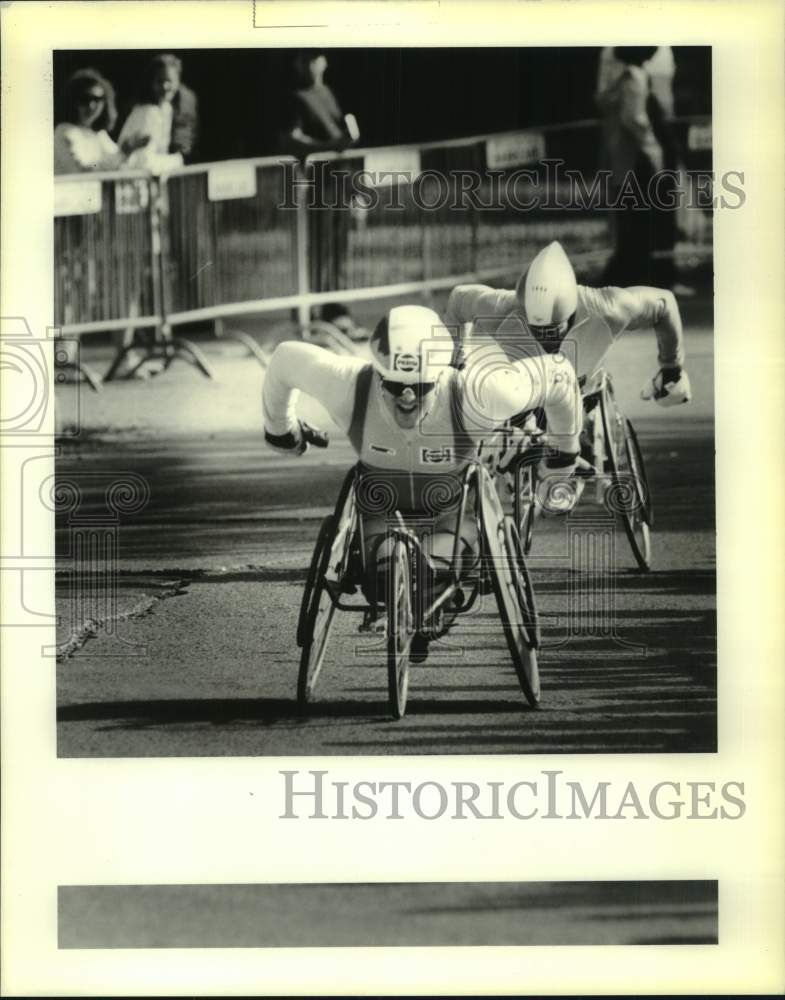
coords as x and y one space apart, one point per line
415 422
81 139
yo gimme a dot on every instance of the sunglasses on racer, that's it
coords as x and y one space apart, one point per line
397 389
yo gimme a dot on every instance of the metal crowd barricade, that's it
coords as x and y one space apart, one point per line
445 212
107 266
476 208
104 261
212 241
231 242
104 257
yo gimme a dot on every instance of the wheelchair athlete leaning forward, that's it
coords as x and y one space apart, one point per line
413 418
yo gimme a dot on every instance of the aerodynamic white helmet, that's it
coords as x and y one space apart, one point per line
410 345
548 291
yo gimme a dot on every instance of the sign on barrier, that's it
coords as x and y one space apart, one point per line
226 181
699 137
131 197
386 166
502 151
78 197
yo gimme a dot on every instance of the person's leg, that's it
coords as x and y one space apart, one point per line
629 257
664 236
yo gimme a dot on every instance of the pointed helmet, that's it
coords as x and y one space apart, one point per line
548 291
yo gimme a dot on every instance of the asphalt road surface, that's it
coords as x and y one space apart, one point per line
193 652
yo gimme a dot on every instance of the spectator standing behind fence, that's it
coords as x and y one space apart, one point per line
164 126
82 141
313 122
661 70
634 154
167 118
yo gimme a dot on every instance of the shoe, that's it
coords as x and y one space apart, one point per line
683 291
418 651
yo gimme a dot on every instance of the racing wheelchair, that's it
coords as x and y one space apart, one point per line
610 445
415 600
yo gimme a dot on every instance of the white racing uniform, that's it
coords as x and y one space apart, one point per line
602 315
416 467
466 406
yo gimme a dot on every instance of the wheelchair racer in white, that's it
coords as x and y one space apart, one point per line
548 311
413 418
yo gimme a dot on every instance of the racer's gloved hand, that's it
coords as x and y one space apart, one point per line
561 478
297 443
669 387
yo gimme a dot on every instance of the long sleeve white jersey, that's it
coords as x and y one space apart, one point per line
466 407
602 315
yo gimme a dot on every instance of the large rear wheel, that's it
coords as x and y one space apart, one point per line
502 567
325 533
400 626
317 618
326 574
628 492
523 581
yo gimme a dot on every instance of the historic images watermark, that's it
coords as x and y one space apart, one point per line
542 795
548 186
88 510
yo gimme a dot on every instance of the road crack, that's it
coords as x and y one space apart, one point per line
91 627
